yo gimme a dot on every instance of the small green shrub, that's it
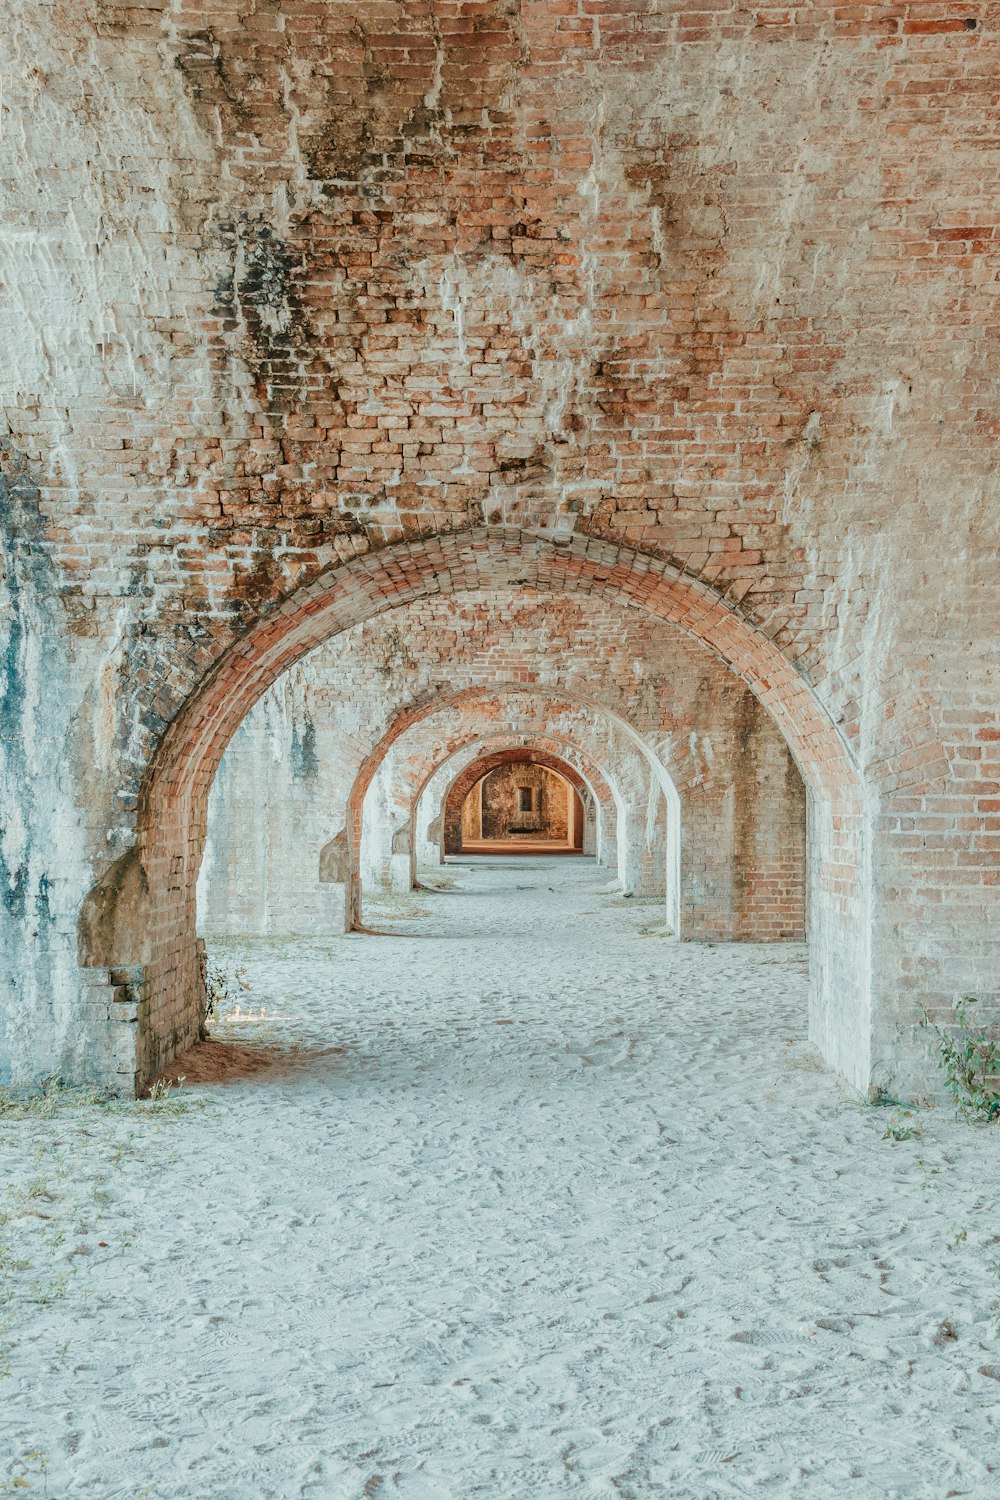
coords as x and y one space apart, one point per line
898 1130
223 987
880 1098
970 1060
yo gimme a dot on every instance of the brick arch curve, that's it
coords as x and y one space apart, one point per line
483 558
172 804
606 789
424 708
467 779
598 783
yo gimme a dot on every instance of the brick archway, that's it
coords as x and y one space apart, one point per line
467 779
600 786
171 815
540 728
416 712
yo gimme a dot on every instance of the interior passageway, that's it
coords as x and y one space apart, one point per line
517 807
523 1200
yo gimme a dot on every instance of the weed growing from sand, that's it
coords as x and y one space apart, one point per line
164 1088
165 1097
36 1189
880 1098
433 878
43 1294
927 1172
223 988
898 1130
54 1097
394 906
970 1061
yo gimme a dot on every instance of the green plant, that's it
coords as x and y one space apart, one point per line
880 1098
898 1130
970 1060
55 1096
223 987
43 1294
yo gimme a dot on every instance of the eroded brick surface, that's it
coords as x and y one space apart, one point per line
288 285
515 800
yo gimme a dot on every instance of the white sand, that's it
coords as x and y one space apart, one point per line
570 1212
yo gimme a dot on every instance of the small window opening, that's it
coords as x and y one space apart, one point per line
524 799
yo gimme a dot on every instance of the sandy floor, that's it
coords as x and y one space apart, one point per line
525 1204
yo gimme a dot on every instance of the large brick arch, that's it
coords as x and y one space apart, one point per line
171 817
490 557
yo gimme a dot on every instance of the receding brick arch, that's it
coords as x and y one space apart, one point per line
558 754
467 779
470 749
423 709
416 776
171 815
542 728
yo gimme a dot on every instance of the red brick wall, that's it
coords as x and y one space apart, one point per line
501 796
712 282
